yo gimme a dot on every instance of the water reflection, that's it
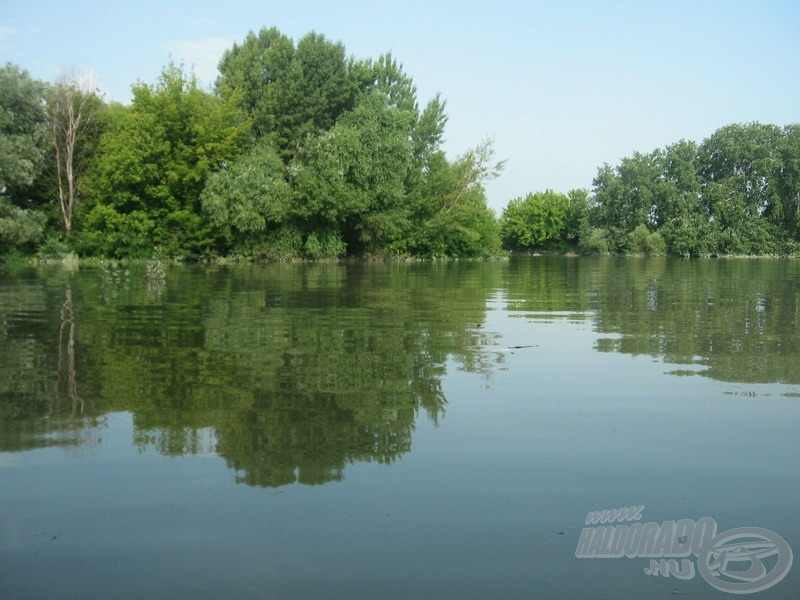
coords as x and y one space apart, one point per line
739 319
292 372
288 372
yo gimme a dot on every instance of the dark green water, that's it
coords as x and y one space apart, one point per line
392 431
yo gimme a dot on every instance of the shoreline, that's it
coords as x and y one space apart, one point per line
73 261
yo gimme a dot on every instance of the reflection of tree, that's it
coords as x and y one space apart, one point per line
67 378
311 439
297 370
23 362
33 412
73 423
292 372
737 317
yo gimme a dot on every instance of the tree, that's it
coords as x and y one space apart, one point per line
288 93
351 178
325 88
680 192
742 166
72 107
449 214
23 154
246 200
737 192
745 157
535 221
577 218
19 227
386 77
627 196
787 183
23 130
153 163
644 241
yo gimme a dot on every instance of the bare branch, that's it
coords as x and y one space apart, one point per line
73 105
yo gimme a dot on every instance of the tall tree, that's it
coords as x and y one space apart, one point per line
741 165
743 160
23 129
627 195
449 213
787 182
387 77
289 92
325 88
152 165
23 154
72 107
351 178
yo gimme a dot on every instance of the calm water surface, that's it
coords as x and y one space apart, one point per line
394 431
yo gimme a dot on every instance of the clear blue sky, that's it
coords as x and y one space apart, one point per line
561 86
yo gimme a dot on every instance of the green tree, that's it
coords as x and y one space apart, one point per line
387 77
644 241
287 92
577 218
326 89
738 193
627 196
20 228
787 184
128 189
594 240
535 221
24 140
24 151
745 157
449 214
153 163
683 219
364 163
351 178
247 200
741 166
428 132
680 191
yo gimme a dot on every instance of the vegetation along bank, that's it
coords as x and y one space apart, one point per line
300 151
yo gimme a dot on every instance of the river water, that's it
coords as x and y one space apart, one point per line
423 430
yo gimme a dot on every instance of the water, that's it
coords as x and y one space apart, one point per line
392 431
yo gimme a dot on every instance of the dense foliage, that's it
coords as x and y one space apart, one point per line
738 192
299 152
303 152
24 150
545 220
151 165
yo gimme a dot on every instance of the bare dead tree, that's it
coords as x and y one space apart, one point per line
72 109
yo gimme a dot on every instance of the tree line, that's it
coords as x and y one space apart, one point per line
737 192
300 151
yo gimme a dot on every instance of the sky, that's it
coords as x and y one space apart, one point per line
561 87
